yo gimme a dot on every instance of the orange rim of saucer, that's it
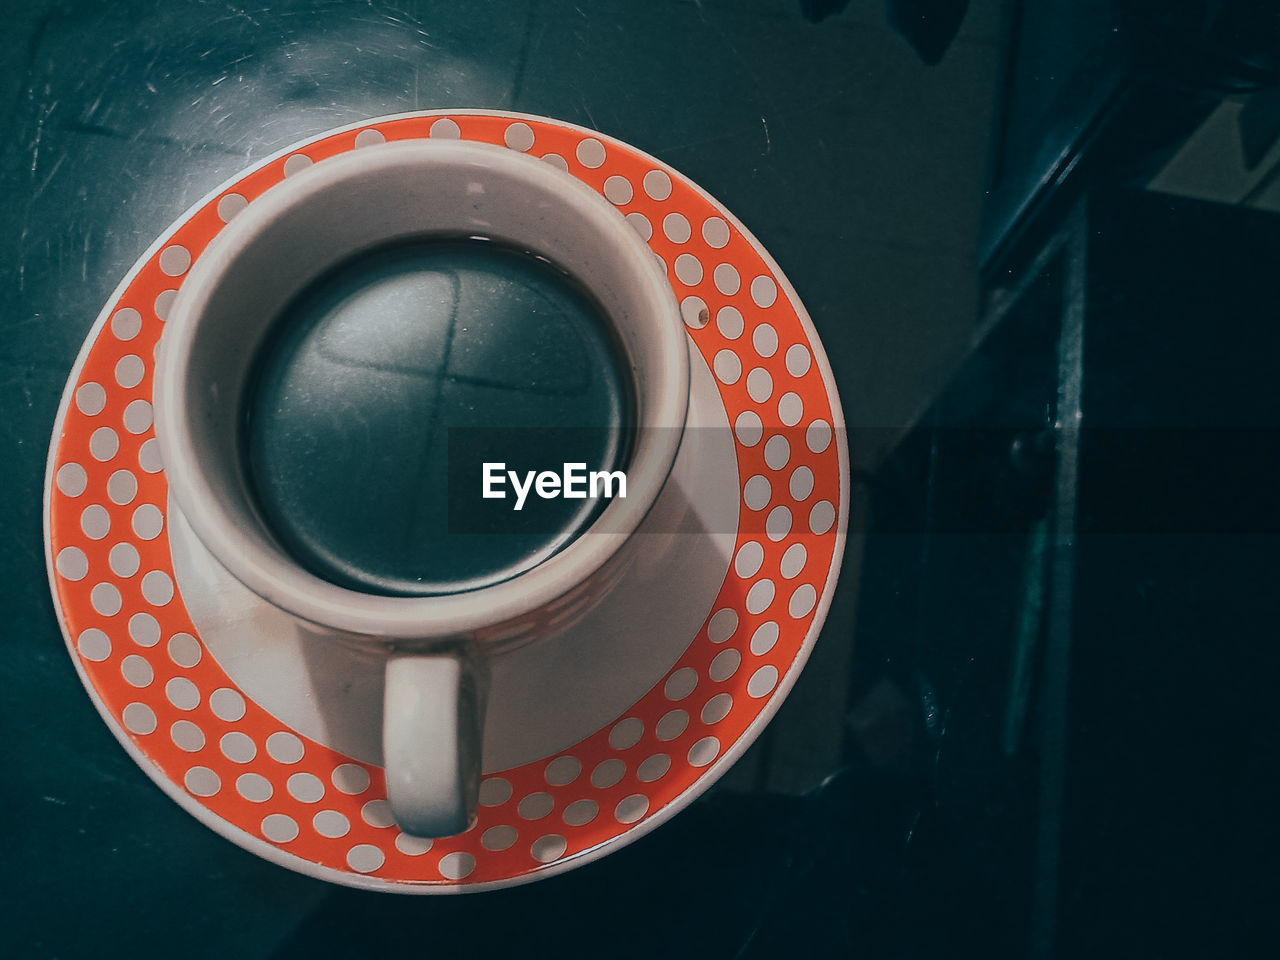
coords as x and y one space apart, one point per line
304 805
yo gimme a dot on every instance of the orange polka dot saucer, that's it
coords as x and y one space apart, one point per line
299 802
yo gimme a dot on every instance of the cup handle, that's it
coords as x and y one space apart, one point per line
432 730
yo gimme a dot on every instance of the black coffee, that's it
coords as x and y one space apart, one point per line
388 383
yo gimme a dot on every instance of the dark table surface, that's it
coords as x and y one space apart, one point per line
858 168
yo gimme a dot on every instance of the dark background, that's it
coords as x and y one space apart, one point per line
1039 721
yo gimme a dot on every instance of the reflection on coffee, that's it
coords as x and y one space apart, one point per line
395 362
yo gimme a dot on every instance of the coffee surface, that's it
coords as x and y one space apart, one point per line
392 378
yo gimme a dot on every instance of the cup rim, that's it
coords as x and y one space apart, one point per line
244 545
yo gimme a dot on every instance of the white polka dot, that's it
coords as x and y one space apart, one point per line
802 601
182 693
284 747
725 665
296 164
126 324
763 681
105 599
607 773
238 747
254 787
793 561
801 483
130 371
715 232
500 837
230 205
641 225
672 724
72 479
225 703
535 806
657 184
122 487
726 279
730 323
377 813
676 228
445 129
369 138
332 824
456 866
138 718
95 522
626 733
138 416
704 751
695 312
72 563
306 787
717 708
365 858
617 190
763 640
760 596
748 428
653 768
413 846
688 269
765 340
798 359
590 153
749 559
557 161
103 444
759 385
175 260
202 782
184 650
518 136
777 452
727 367
279 828
148 521
94 645
790 409
756 492
580 812
632 808
91 399
350 778
818 436
187 736
137 671
494 792
681 683
149 456
778 523
723 625
157 588
164 303
822 516
764 291
562 770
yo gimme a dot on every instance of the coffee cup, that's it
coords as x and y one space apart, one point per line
437 649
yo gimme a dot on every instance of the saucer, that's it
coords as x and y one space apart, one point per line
300 802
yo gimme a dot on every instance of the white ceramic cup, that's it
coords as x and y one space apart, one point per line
436 648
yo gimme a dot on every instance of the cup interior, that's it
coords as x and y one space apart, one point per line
235 294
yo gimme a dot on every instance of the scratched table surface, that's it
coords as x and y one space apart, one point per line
856 166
